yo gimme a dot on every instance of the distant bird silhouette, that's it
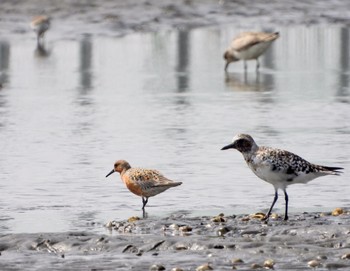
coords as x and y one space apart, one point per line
40 24
142 182
247 46
278 167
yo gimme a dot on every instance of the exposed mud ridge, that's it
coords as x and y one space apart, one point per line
110 17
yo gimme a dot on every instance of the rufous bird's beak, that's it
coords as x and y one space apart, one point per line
110 173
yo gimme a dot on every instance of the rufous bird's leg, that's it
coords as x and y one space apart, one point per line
257 64
144 202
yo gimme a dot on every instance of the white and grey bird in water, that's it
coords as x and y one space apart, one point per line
278 167
247 46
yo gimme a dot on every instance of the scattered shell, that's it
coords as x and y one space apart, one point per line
222 231
256 266
274 216
246 218
237 261
337 211
185 228
313 263
177 269
133 219
173 227
269 264
258 216
204 267
321 257
110 224
181 247
219 218
345 256
157 267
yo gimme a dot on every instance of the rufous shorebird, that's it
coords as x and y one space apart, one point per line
145 183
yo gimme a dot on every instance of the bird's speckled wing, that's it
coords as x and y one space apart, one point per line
285 161
147 178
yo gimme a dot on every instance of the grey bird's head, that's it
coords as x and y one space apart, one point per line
243 143
229 57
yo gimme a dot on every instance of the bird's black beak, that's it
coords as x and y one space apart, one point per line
110 173
230 146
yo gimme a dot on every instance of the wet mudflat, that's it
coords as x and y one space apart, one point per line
242 242
145 82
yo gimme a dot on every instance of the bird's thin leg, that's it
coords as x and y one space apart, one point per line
273 204
144 202
257 65
245 66
286 199
144 214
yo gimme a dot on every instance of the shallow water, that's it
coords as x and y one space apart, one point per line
162 101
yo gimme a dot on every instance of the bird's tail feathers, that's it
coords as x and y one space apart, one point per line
333 170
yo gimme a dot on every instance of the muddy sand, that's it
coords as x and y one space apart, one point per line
242 242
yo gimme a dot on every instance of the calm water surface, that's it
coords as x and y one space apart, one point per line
163 101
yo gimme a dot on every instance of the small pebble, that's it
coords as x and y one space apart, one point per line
133 219
237 261
110 224
204 267
219 218
337 212
321 257
269 264
185 228
274 216
157 267
256 266
181 247
246 218
222 231
344 257
177 269
313 263
174 227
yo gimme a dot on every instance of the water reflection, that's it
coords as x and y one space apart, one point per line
41 50
183 58
4 62
343 89
249 82
85 58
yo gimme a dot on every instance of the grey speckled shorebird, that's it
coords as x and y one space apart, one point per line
278 167
142 182
40 24
247 46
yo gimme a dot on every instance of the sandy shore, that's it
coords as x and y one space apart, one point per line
113 18
242 242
